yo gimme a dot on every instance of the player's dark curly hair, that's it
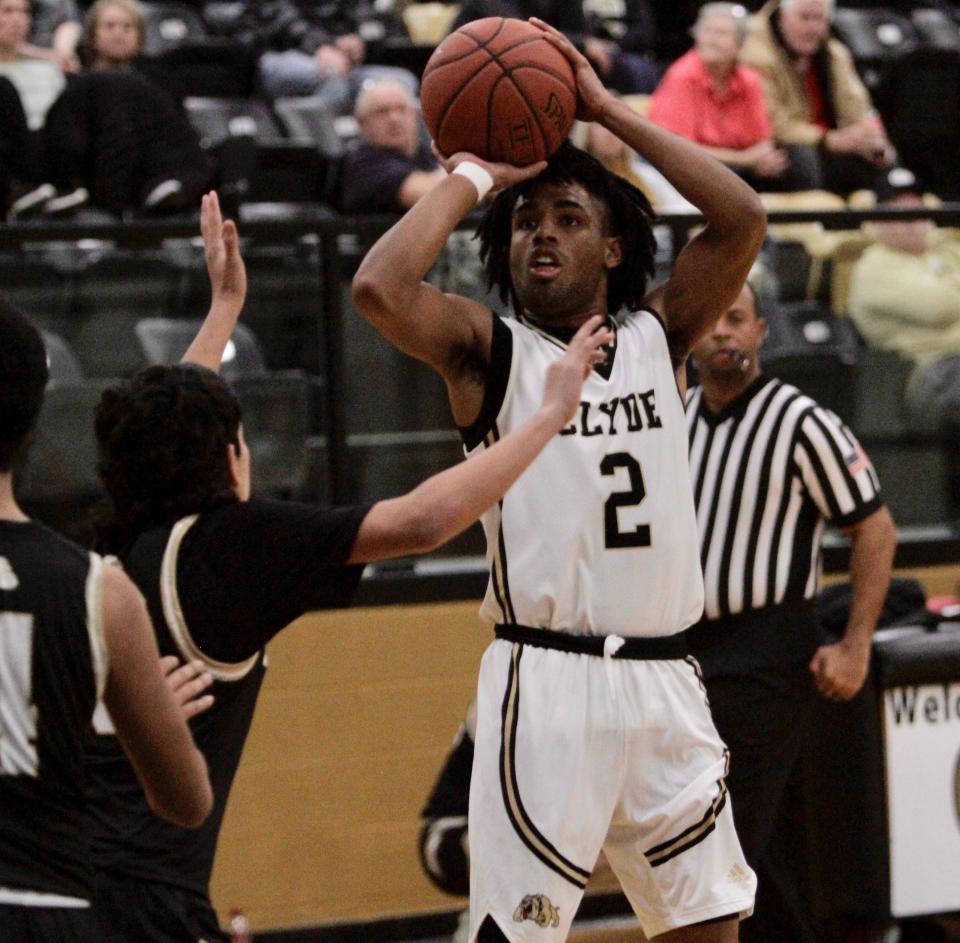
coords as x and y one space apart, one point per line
23 377
162 440
629 216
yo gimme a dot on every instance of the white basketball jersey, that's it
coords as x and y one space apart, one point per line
599 535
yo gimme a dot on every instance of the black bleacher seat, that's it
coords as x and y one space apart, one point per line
168 25
821 374
37 288
872 35
919 98
810 326
879 386
387 464
309 118
936 29
277 421
165 341
789 264
181 51
206 68
291 172
277 406
216 119
113 292
62 362
918 478
223 17
284 305
59 470
286 170
815 351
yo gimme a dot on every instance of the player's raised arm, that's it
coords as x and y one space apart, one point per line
228 285
710 271
144 711
451 501
444 330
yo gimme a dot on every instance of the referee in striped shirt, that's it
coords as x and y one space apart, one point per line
769 468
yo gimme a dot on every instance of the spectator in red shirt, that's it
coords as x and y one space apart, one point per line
708 97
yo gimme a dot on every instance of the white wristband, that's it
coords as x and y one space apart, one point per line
479 177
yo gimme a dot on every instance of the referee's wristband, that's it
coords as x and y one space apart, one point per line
476 174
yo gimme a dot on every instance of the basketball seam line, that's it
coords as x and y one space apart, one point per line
507 73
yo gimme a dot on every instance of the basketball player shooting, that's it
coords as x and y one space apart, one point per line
593 730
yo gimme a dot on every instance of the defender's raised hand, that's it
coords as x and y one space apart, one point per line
565 378
221 246
592 96
228 285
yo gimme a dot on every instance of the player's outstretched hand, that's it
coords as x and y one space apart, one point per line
592 97
504 175
561 392
221 246
188 682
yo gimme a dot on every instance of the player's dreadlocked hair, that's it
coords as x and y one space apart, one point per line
162 441
629 216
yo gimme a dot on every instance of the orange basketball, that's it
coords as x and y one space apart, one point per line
498 89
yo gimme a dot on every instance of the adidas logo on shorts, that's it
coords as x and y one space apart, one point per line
738 875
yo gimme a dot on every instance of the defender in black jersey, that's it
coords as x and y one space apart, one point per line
223 573
71 630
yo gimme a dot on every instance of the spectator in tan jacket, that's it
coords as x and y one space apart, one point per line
817 103
905 296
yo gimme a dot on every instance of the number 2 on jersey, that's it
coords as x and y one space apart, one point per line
615 538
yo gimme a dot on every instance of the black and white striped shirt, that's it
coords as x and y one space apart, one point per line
768 472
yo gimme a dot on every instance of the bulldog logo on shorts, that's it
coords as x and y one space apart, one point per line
537 907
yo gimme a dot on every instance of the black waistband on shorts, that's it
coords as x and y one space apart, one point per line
659 647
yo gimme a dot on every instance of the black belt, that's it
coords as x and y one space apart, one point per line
658 647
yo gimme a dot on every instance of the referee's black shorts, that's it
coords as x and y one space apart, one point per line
47 924
131 910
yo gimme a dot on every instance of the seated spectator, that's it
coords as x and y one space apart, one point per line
708 97
22 186
113 34
622 70
54 34
117 136
37 81
308 48
905 296
391 168
817 103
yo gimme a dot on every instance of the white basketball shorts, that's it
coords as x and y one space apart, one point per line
576 753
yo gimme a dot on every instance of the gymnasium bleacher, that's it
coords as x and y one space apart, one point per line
334 414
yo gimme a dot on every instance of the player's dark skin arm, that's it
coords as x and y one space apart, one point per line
711 269
445 331
840 669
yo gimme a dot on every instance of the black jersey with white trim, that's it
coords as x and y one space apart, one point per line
52 669
218 587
